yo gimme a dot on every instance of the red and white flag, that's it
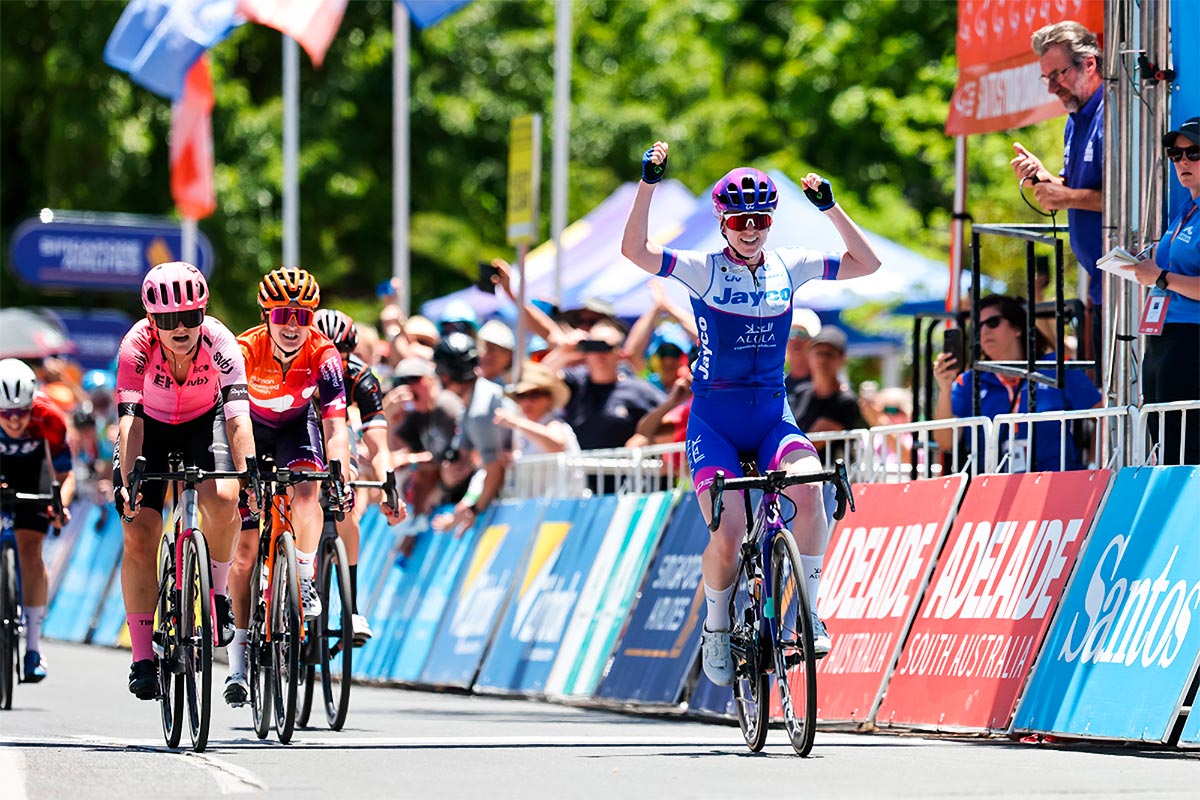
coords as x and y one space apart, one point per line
312 23
192 185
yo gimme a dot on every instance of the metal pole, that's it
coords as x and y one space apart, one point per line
561 138
400 156
519 356
958 224
188 245
291 152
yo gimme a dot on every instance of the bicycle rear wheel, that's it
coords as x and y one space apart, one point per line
750 685
10 625
258 654
286 636
196 637
166 645
336 633
308 678
795 664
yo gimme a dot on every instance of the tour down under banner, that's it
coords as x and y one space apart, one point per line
555 569
877 565
1123 651
989 605
470 619
659 647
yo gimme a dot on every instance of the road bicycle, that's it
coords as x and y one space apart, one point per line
11 612
185 626
330 637
277 634
771 631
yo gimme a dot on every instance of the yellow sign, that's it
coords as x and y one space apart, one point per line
524 178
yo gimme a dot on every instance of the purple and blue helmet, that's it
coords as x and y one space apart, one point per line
744 190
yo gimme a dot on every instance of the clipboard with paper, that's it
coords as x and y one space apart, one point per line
1118 258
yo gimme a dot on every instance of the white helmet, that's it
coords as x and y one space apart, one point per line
17 384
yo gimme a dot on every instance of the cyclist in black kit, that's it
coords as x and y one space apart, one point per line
364 393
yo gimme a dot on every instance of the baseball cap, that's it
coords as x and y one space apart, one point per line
834 337
496 332
805 323
1190 129
673 334
410 368
421 326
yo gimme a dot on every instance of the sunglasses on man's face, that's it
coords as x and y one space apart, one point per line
456 326
11 414
285 314
741 222
1176 154
170 320
991 322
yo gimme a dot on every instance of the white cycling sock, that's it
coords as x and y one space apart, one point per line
220 576
33 626
717 608
812 577
305 562
237 651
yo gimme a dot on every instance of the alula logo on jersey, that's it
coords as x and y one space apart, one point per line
756 335
1143 617
753 299
702 364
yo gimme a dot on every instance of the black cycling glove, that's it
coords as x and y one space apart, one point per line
651 172
822 196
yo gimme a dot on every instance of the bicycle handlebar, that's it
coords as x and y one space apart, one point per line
189 475
777 480
53 497
283 477
391 494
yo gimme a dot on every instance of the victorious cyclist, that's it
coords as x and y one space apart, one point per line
181 386
32 429
296 392
742 298
364 393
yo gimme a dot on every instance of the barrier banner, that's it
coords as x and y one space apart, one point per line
96 554
382 589
438 560
877 566
377 544
57 550
1123 651
662 640
988 607
551 577
604 603
1190 737
470 619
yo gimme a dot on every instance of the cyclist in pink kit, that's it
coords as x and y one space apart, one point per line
181 386
742 298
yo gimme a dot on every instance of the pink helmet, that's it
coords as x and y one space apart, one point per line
174 286
744 190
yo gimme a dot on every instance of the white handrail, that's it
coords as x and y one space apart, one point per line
1143 450
1009 422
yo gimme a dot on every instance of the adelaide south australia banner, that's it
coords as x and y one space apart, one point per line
993 594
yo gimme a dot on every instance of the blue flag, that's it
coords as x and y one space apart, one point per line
157 42
430 12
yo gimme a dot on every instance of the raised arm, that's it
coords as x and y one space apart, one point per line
860 258
636 244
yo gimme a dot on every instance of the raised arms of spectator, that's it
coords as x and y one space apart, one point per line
539 321
642 330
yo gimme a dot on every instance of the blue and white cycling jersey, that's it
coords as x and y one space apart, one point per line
743 318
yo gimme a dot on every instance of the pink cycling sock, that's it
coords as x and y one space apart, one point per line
141 635
220 576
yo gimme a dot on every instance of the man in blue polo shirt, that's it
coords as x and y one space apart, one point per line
1070 59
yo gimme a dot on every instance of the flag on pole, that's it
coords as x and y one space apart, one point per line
312 23
157 42
192 185
425 13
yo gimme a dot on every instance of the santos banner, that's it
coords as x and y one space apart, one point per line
991 600
1123 651
877 565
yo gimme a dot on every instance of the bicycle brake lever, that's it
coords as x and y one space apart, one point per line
337 490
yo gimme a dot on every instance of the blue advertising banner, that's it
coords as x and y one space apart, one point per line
93 560
382 589
96 251
1122 652
1190 738
563 551
96 334
662 639
479 601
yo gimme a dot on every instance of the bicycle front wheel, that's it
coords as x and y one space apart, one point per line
286 636
751 688
166 646
258 653
337 633
196 638
795 664
10 625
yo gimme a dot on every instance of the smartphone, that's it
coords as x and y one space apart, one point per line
952 343
594 346
486 272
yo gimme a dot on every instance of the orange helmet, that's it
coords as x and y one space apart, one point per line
287 286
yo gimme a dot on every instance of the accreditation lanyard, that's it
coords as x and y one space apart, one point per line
1018 452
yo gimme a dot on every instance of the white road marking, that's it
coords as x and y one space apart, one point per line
230 778
12 773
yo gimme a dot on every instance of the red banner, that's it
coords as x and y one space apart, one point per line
998 86
192 183
878 562
987 609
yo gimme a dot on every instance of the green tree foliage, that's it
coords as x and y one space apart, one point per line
856 89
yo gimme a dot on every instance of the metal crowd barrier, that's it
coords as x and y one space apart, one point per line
1004 428
900 453
1156 414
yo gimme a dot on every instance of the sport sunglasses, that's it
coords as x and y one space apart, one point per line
740 222
170 320
285 314
15 413
1176 154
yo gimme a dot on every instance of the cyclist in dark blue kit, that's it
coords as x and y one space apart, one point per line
742 298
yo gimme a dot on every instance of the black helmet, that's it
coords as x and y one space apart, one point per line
456 356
